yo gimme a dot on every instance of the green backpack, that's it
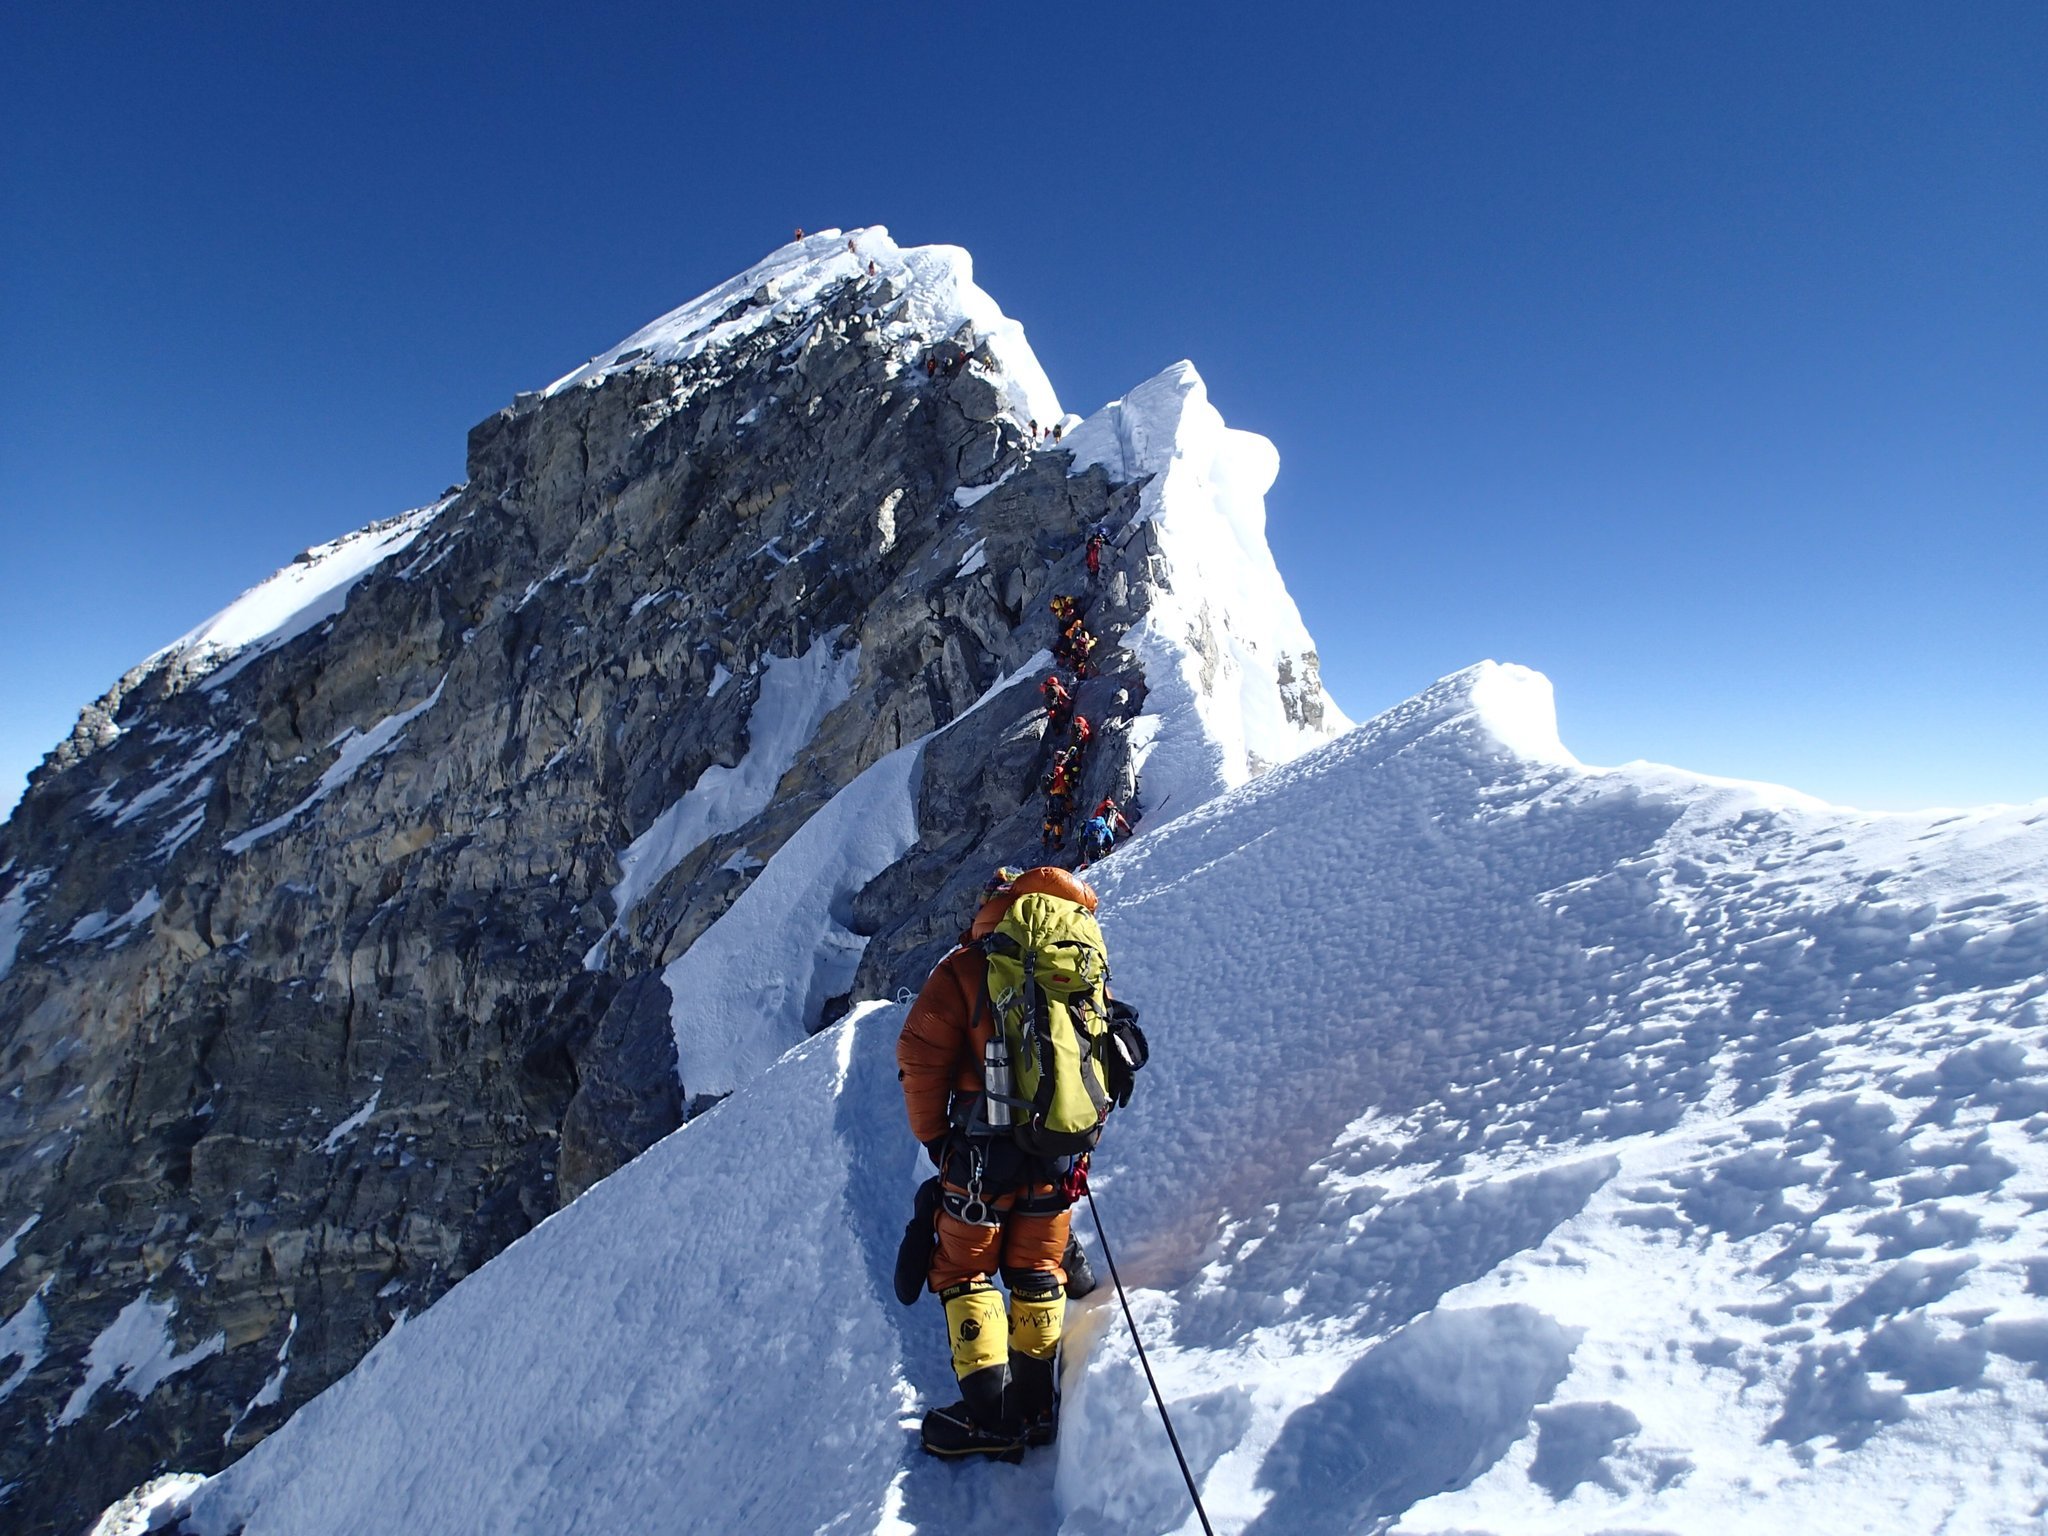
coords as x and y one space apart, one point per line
1046 1069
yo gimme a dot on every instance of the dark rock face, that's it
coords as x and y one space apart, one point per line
292 1045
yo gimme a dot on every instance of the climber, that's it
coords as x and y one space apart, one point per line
1058 428
1095 542
1069 649
1010 1167
799 231
1099 833
1083 734
1064 608
1080 646
1059 704
931 366
871 269
1052 834
1058 782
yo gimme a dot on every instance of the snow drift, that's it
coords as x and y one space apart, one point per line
1526 1148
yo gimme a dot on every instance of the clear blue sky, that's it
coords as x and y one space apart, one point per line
1694 354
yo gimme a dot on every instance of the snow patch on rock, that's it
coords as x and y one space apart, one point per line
14 909
796 694
23 1338
357 748
137 1353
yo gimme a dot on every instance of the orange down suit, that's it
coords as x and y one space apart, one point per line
1000 1210
939 1054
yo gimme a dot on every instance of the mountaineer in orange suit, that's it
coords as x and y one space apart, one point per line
1002 1210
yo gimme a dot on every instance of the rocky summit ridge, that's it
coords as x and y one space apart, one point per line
357 931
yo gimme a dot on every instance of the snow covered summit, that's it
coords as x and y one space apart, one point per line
1527 1148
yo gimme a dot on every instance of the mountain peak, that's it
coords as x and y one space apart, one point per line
924 293
450 869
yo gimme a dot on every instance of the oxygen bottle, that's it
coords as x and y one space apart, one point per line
995 1077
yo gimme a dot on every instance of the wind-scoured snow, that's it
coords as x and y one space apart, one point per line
309 591
935 295
1526 1148
795 696
1224 650
356 748
137 1353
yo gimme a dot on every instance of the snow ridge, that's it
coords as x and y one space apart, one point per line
306 593
1526 1148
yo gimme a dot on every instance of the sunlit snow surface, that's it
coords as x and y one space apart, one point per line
309 591
1527 1148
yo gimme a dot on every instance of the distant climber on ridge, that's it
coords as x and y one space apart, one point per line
1052 834
1099 833
1059 703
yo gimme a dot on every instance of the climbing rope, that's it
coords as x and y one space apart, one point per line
1164 1417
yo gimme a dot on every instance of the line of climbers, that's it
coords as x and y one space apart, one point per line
1062 779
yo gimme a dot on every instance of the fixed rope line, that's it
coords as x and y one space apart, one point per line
1164 1417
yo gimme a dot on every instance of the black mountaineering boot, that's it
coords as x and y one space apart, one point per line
953 1431
980 1424
1034 1398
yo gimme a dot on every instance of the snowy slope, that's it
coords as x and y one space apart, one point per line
1527 1148
309 591
755 983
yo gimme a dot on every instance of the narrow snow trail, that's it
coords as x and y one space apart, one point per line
1527 1148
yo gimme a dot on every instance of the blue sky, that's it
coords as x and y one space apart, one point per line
1696 355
